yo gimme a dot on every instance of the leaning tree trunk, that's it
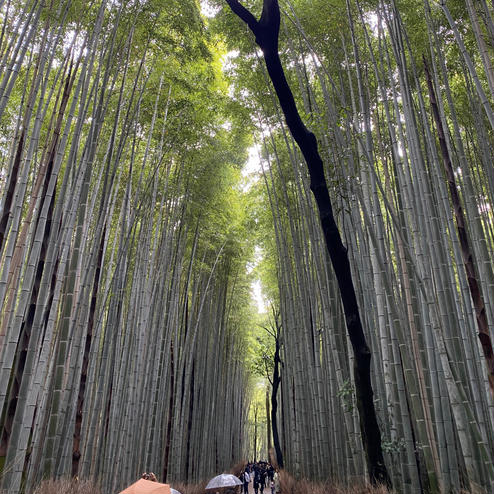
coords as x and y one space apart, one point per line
274 399
266 32
466 250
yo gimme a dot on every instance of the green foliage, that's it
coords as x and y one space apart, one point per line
393 446
346 393
262 363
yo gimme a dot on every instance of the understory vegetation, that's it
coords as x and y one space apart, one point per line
288 485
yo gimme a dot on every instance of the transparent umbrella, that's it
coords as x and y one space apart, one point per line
223 480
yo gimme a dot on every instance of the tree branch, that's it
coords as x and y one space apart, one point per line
244 14
267 29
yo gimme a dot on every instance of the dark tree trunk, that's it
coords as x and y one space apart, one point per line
25 336
274 402
4 219
268 421
466 250
27 324
256 411
189 422
266 31
76 453
170 415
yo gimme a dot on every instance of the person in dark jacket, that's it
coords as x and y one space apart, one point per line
256 479
262 481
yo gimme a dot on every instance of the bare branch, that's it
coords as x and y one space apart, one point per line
267 29
270 331
244 14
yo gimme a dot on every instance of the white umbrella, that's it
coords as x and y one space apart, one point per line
223 480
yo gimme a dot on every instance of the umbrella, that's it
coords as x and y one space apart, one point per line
147 487
223 480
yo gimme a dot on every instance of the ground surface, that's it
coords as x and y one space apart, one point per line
267 490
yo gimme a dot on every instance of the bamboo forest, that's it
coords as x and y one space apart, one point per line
235 231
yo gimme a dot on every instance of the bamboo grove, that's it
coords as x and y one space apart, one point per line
127 237
123 288
400 97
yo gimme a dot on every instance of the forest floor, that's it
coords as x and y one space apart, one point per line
288 486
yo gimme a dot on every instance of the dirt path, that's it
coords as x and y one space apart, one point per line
267 490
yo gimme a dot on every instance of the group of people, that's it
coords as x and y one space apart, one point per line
263 476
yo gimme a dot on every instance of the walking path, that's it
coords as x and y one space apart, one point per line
267 490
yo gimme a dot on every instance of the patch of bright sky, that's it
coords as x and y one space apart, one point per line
72 42
207 10
228 60
255 288
252 167
258 296
251 171
372 20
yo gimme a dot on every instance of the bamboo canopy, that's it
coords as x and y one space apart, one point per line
130 238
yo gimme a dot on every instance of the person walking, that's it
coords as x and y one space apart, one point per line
270 472
246 480
262 481
256 479
276 483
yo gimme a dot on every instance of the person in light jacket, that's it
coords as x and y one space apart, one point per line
276 483
246 479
